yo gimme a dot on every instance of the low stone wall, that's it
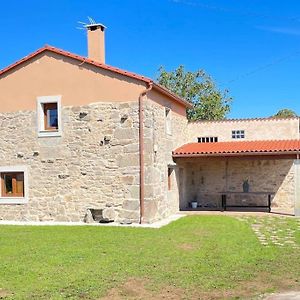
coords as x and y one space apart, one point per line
95 164
205 179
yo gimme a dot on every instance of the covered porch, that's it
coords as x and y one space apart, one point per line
247 176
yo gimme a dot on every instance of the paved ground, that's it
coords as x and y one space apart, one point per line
272 231
157 224
284 296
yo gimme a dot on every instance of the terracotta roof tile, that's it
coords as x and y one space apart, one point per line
240 147
96 64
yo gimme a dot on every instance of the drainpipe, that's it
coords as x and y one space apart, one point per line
141 149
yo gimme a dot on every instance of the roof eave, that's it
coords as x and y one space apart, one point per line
253 153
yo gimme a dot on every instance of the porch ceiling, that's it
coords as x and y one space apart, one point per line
240 148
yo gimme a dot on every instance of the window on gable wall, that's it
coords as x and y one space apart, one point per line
238 134
49 116
168 120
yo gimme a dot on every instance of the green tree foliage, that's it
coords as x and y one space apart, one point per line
209 103
285 113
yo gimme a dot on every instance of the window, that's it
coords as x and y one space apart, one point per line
170 179
13 185
168 120
238 134
49 116
208 139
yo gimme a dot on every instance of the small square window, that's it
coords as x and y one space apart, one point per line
13 185
49 116
238 134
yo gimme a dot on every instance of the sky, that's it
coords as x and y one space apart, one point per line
250 47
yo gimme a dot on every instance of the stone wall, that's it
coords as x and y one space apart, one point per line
159 201
204 179
255 129
95 164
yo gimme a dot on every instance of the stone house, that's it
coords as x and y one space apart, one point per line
82 138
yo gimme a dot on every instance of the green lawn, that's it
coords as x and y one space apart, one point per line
196 257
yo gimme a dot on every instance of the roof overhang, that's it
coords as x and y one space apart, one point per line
287 148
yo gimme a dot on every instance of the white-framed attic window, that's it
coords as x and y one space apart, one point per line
14 185
49 116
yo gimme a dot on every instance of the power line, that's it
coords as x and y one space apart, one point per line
263 67
235 11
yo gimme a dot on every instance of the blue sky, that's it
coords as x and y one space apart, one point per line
251 47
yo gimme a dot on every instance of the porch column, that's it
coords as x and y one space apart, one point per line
297 187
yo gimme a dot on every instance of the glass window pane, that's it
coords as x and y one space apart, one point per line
52 118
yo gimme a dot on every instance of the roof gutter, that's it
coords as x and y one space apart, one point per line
141 150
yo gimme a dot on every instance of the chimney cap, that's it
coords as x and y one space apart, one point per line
95 26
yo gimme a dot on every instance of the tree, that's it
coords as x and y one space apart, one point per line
209 103
285 113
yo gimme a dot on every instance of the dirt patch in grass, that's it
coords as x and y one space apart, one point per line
135 289
5 293
186 247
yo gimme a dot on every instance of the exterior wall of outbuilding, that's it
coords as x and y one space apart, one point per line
205 179
255 129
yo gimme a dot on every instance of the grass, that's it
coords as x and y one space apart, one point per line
201 257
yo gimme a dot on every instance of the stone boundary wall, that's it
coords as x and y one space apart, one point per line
95 164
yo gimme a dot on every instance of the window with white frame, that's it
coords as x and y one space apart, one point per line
49 116
238 134
13 185
168 120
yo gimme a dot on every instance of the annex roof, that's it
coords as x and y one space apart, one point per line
86 60
270 147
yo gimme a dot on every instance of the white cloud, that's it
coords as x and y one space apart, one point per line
282 30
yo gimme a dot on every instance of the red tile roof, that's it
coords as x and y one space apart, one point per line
96 64
238 148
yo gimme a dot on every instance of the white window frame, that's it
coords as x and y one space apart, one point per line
40 116
15 200
238 134
168 120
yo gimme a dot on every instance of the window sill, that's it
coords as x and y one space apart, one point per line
49 133
13 200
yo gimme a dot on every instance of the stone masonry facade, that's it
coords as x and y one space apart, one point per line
94 165
255 129
160 201
206 179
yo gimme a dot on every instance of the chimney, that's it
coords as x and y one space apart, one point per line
96 42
